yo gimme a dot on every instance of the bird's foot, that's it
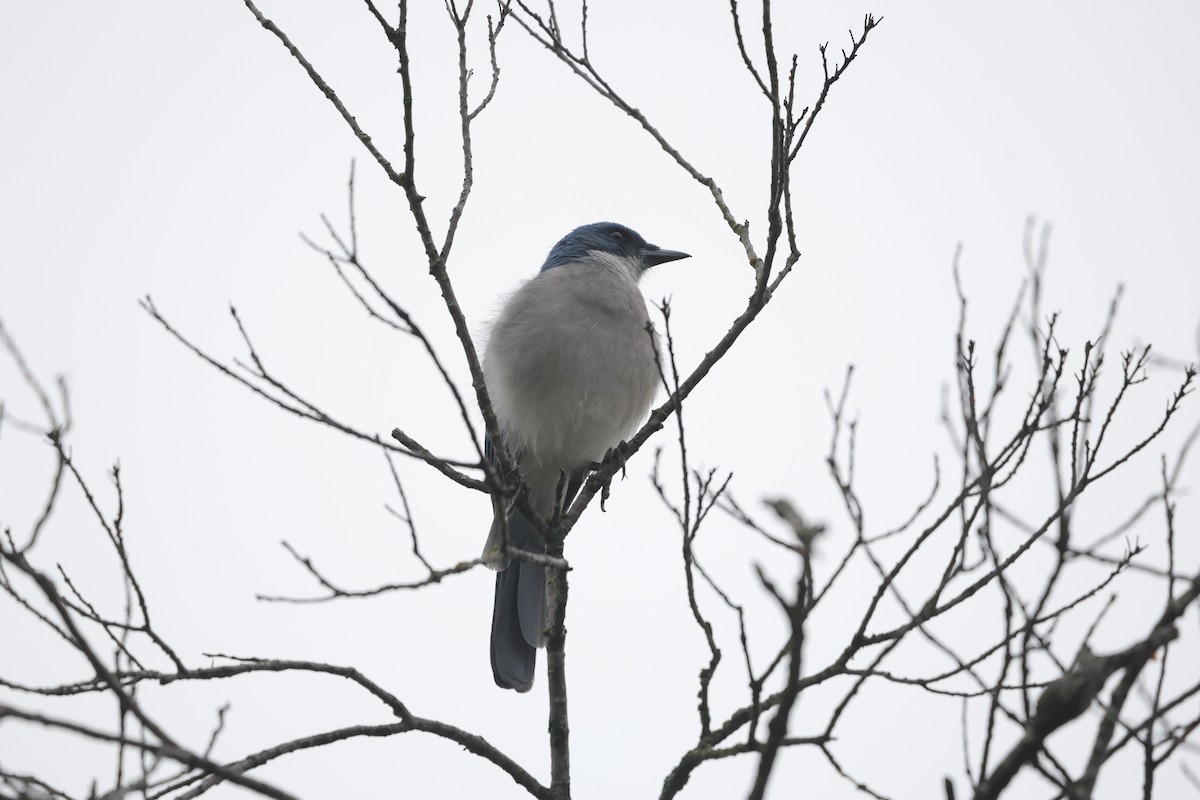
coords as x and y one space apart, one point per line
518 489
618 455
615 455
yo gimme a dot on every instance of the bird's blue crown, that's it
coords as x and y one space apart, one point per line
607 237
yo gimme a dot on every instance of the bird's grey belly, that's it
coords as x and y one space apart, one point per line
584 393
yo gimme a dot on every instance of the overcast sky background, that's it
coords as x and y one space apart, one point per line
176 151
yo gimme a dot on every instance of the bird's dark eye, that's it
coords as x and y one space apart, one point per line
617 236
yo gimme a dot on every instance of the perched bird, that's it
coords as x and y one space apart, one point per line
570 368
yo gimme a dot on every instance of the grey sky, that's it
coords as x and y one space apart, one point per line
176 150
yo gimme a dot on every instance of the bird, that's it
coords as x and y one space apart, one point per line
571 369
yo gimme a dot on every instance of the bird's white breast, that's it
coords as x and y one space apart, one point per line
570 365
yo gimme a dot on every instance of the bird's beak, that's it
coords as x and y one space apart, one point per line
655 255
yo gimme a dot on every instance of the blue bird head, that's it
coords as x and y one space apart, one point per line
611 238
